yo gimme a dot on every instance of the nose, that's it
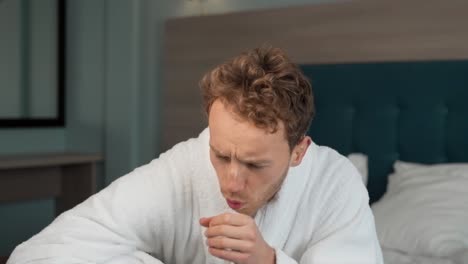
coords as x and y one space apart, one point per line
235 182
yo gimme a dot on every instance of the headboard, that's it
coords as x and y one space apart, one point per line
388 75
412 111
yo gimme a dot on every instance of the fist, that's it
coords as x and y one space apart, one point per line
236 238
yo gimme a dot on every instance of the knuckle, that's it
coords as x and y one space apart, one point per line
211 242
243 257
250 246
221 229
251 236
221 243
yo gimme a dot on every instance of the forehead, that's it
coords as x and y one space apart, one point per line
229 131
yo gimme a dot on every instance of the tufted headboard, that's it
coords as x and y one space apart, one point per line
412 111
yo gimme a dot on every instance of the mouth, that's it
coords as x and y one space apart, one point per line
234 204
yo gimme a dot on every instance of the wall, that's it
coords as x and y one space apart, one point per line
19 221
27 51
113 81
10 52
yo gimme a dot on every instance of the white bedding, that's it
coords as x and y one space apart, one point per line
395 257
425 210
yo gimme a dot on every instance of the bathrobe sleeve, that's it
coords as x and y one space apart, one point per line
131 221
346 232
352 244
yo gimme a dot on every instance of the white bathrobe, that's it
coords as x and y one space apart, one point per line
320 215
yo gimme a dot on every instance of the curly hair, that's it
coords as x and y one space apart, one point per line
263 86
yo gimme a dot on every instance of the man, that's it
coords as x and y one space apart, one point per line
252 188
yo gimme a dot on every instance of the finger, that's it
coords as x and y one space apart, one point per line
230 219
228 231
205 221
226 243
233 256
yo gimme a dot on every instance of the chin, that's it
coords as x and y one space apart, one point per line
246 212
241 210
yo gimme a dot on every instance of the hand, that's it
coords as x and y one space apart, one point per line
236 238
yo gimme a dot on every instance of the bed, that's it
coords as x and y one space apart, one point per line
402 115
391 82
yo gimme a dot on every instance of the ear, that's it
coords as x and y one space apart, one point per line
299 151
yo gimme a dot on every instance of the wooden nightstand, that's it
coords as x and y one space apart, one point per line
68 177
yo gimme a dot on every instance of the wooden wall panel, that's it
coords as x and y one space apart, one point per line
351 31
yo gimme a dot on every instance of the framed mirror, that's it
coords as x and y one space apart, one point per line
32 63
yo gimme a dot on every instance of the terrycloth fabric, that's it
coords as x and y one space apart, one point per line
320 215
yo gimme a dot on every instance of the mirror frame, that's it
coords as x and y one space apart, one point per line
59 119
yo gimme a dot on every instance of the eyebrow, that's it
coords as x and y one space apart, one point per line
245 161
216 151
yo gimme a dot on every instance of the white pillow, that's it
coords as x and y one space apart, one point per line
425 209
359 161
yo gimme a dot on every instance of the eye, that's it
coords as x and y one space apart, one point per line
223 158
253 166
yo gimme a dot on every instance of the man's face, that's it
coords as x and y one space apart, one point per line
251 163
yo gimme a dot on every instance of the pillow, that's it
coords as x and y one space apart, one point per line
359 161
425 209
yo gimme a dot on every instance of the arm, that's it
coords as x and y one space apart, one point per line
352 242
133 216
346 232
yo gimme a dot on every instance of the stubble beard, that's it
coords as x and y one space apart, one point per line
271 194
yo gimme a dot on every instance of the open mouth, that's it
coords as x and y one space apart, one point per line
234 204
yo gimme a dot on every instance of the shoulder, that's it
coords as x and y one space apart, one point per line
329 165
333 178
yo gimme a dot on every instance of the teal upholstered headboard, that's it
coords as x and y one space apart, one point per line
412 111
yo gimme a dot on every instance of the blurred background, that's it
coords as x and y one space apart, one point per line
91 89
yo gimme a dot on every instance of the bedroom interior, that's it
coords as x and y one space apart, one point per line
390 81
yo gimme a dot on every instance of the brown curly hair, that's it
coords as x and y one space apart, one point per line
263 86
